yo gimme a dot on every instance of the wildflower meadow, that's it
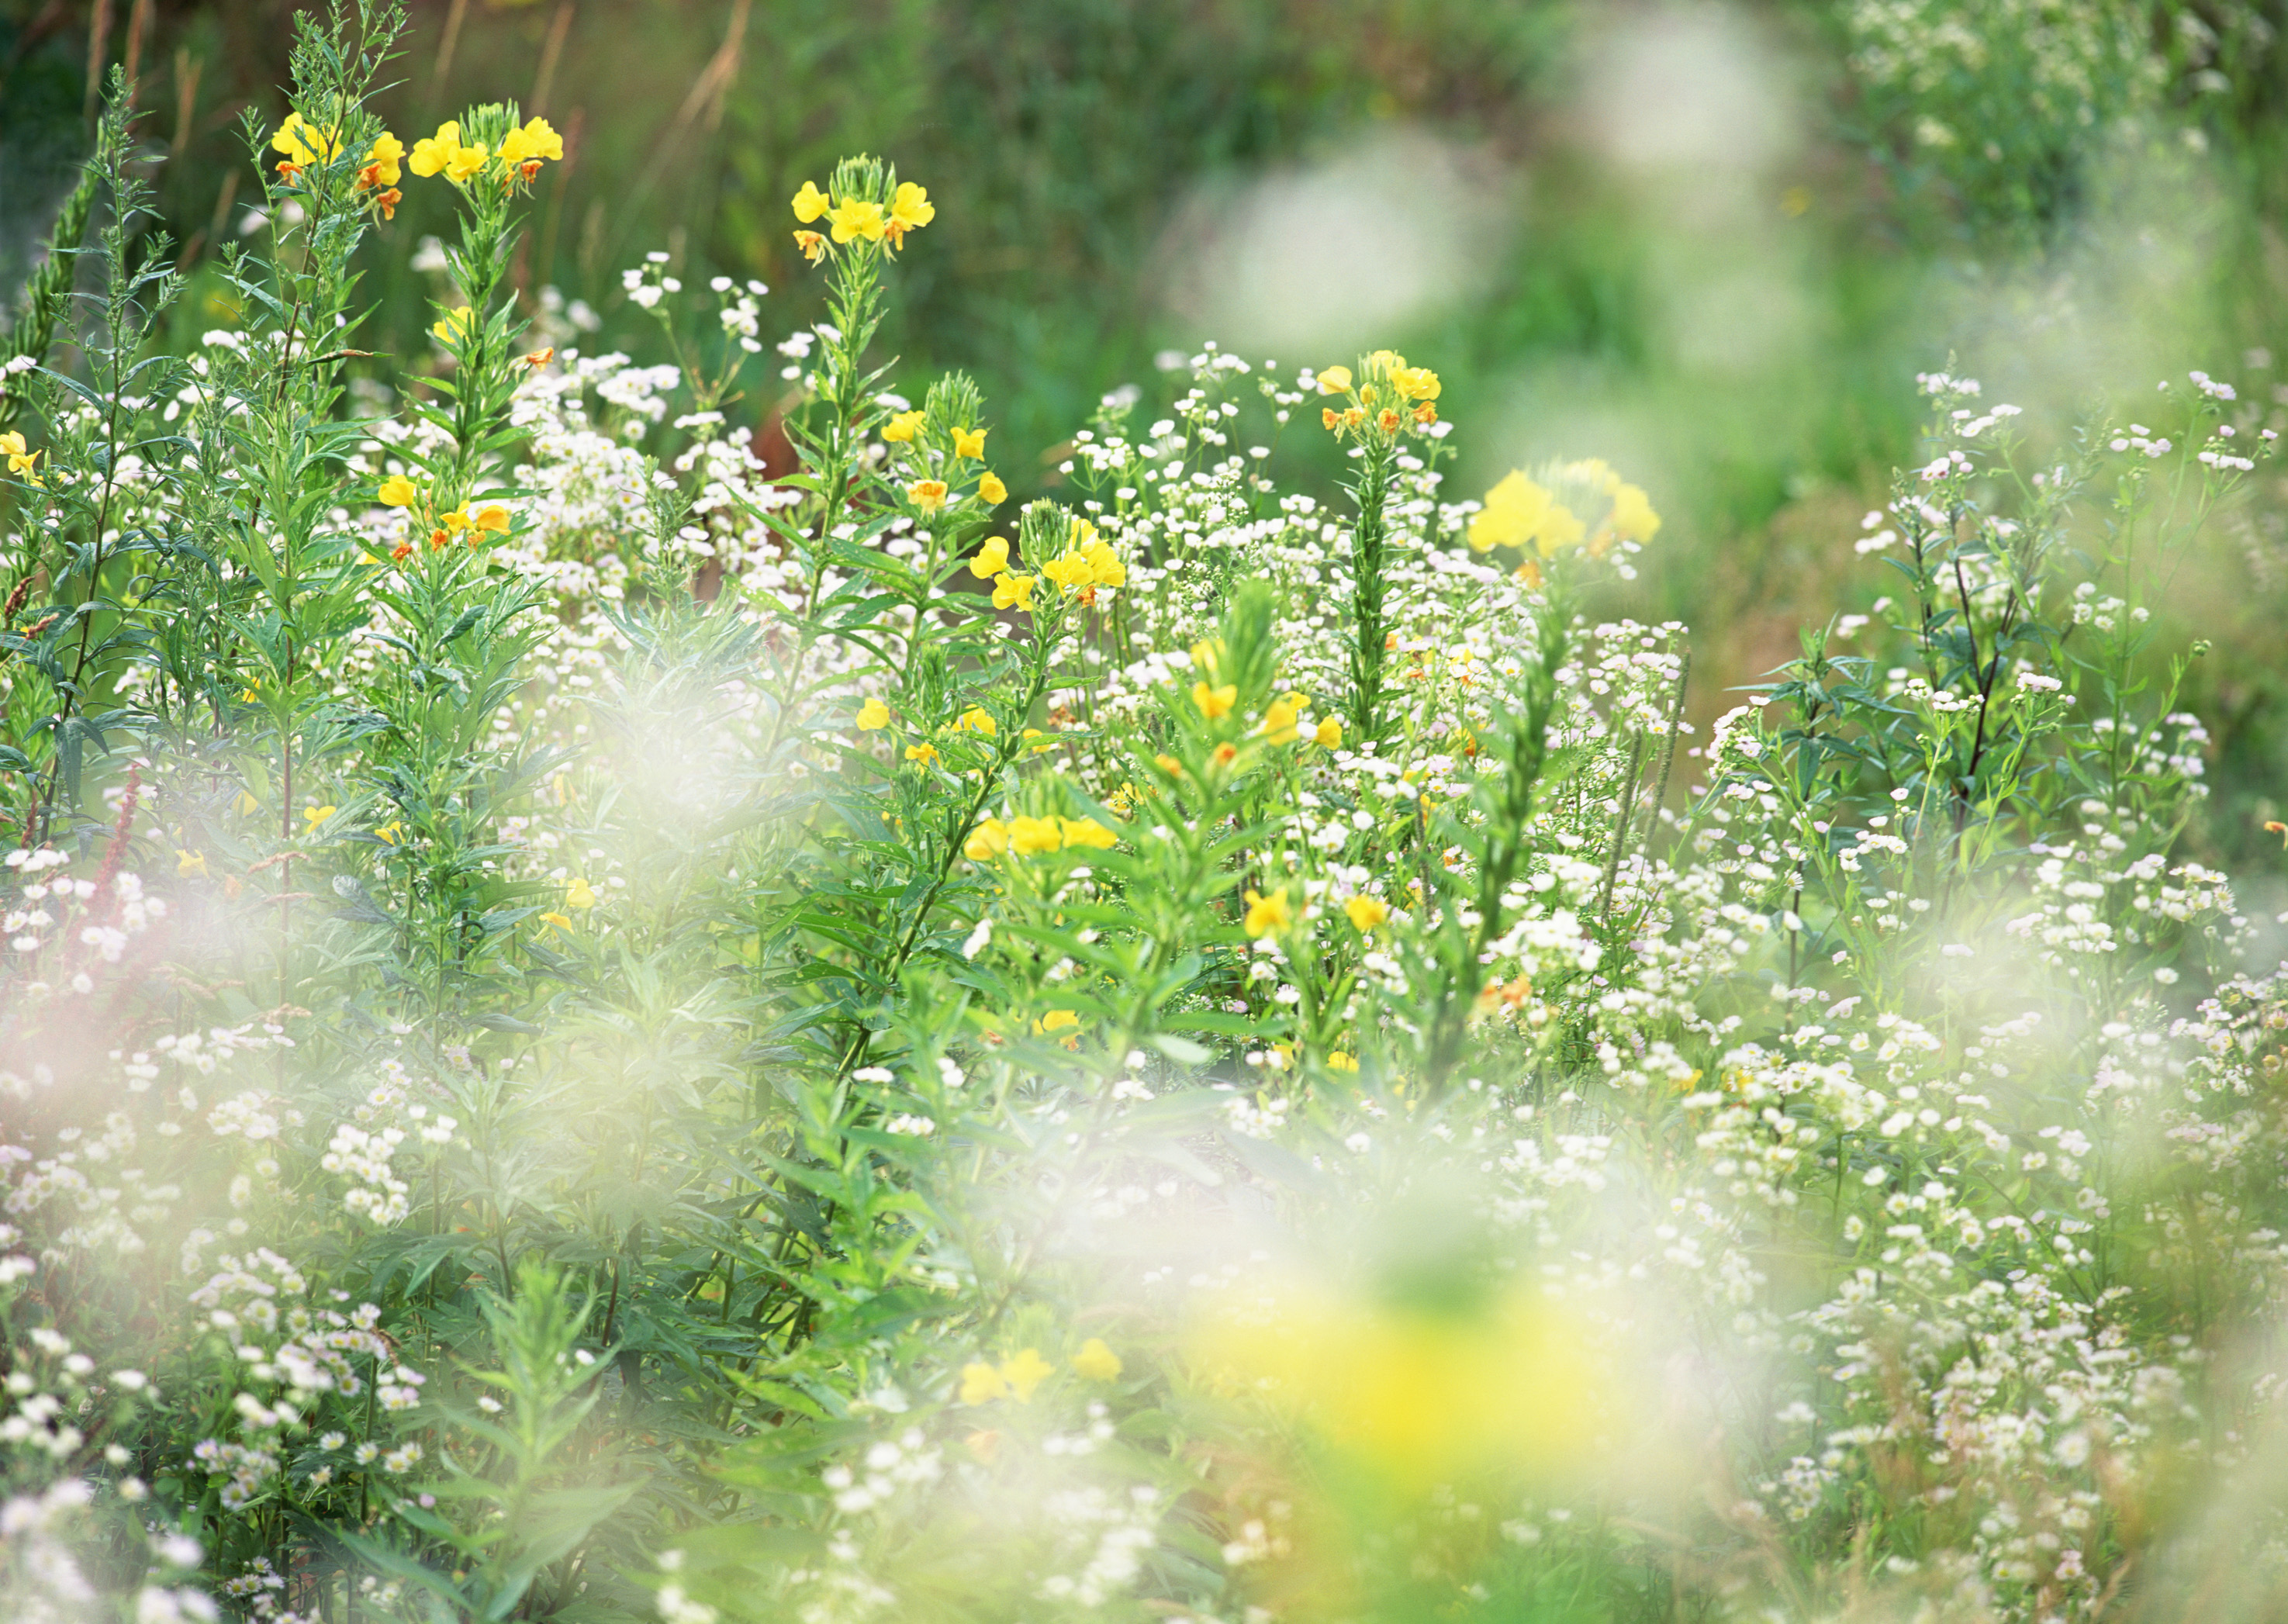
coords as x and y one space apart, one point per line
597 1027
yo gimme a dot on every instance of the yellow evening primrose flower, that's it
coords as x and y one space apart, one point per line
397 491
989 488
1070 571
1104 564
1334 380
923 752
1013 591
1366 913
810 202
1095 1362
1055 1020
910 209
1279 719
992 557
903 427
537 140
928 494
494 518
387 833
976 719
1087 832
22 460
579 894
190 862
1215 702
1562 529
1328 734
463 166
986 841
454 325
559 920
1341 1062
246 805
812 245
1513 514
854 218
1029 1369
970 443
872 715
980 1383
312 816
432 153
1633 515
1268 916
1032 836
380 168
304 142
1415 383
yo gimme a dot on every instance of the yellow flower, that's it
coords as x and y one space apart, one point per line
246 805
1032 836
1095 1362
1514 513
312 816
579 894
928 494
556 919
397 491
1334 380
1341 1062
1104 564
1215 702
1279 719
989 487
902 427
976 720
1087 832
1328 734
1070 571
1415 383
302 142
989 839
970 443
1366 912
381 159
854 218
1013 591
1055 1020
1562 529
537 140
923 752
1029 1369
463 165
495 518
873 714
457 521
810 202
387 833
1268 916
454 326
1632 515
190 862
992 557
434 152
19 459
910 209
812 245
980 1383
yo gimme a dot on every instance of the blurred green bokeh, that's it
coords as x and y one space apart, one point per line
1711 244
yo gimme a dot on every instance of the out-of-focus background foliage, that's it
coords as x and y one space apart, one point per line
1713 242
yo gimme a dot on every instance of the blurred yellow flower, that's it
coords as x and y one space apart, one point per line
1514 513
1633 515
397 491
1014 591
312 816
903 427
190 862
1087 832
980 1383
1032 836
854 218
992 557
494 518
1214 702
989 488
1268 916
1328 734
810 202
454 325
1279 719
988 840
873 714
1340 1062
553 918
1095 1362
1055 1020
1366 912
924 753
1029 1369
579 894
387 833
970 443
1334 380
1415 383
976 719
